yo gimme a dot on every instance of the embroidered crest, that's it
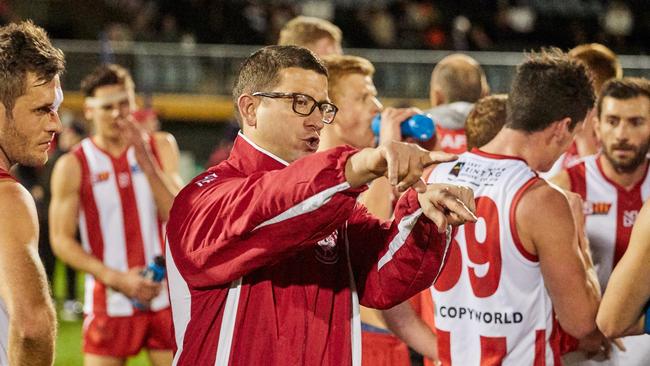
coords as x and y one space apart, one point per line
206 180
326 250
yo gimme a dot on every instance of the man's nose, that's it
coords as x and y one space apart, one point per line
378 107
54 124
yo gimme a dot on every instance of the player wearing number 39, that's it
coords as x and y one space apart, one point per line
522 260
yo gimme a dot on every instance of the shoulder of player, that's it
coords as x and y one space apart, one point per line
23 209
543 203
163 139
67 171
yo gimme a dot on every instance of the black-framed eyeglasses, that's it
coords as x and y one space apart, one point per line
304 104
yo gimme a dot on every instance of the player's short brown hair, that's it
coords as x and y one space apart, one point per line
25 48
261 70
107 74
485 120
304 31
625 88
339 66
548 87
601 62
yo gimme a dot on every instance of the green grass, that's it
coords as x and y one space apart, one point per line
68 342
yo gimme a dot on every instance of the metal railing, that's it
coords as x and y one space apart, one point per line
210 69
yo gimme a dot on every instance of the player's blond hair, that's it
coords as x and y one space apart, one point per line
601 62
339 66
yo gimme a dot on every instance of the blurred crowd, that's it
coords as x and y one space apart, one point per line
410 24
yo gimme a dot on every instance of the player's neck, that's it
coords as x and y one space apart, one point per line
518 144
626 180
5 163
114 146
585 146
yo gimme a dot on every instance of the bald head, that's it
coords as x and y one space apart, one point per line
457 78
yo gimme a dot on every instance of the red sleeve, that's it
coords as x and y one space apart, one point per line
577 174
224 225
394 261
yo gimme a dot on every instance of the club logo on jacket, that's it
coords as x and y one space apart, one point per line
326 250
596 208
206 180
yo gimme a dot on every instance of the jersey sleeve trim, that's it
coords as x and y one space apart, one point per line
513 223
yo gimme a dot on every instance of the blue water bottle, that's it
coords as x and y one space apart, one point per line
419 126
155 272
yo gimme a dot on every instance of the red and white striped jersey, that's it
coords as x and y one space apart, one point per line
491 304
610 211
118 222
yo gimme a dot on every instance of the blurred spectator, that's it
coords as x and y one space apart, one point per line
318 35
457 82
460 25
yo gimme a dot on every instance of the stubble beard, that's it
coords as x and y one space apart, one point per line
629 166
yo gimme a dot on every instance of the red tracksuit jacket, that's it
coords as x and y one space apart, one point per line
268 263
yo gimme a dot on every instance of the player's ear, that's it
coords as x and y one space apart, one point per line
247 105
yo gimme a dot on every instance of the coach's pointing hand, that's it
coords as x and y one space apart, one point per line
402 163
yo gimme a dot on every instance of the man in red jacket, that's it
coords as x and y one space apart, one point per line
270 254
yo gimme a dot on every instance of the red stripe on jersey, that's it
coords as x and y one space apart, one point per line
132 231
577 174
156 155
444 347
5 174
628 205
154 150
493 350
513 221
93 228
540 348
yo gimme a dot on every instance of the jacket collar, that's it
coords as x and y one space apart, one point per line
248 157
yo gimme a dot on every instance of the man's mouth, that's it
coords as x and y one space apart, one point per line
312 143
